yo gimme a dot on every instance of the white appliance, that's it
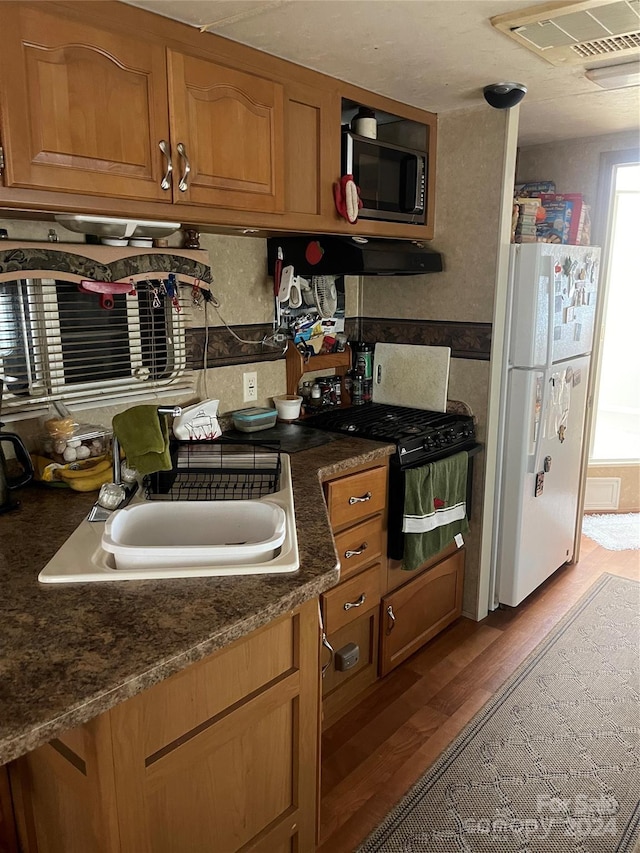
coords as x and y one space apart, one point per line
552 300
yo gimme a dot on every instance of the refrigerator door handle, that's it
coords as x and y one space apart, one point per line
549 259
534 458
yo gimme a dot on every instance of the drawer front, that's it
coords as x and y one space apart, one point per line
356 496
418 611
358 546
345 602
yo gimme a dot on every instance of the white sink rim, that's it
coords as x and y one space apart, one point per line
81 559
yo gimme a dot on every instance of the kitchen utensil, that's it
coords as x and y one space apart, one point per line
407 375
8 483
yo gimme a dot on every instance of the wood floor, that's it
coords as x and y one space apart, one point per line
376 752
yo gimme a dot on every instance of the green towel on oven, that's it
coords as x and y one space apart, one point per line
144 437
435 508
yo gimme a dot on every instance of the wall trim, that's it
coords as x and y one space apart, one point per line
223 349
466 339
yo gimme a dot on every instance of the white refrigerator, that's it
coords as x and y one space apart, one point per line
552 301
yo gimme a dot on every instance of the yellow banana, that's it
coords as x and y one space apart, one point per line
90 484
84 469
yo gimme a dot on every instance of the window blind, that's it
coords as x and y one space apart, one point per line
60 343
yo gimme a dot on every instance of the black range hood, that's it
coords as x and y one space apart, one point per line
314 254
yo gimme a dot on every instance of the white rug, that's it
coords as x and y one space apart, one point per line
615 532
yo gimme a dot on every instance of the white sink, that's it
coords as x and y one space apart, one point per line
166 539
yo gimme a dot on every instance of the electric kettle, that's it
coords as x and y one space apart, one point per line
8 483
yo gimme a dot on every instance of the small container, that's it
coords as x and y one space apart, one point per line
64 441
254 419
363 360
288 407
141 242
357 398
316 395
364 123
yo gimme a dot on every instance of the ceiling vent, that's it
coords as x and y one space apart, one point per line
575 33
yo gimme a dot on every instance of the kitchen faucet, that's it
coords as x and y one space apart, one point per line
117 494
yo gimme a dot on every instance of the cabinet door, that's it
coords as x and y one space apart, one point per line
227 135
419 610
83 109
222 756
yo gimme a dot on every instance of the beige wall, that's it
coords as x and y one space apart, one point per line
629 483
471 146
573 164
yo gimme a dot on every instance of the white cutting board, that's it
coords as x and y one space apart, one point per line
414 376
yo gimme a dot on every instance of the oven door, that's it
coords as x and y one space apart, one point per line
391 179
395 536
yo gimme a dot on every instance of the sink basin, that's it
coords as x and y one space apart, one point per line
167 539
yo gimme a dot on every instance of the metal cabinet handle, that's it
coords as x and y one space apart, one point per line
183 186
357 552
349 604
165 183
361 500
327 645
392 619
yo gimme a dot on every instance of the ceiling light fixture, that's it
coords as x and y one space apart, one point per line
615 76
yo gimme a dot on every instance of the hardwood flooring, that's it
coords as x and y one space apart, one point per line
373 755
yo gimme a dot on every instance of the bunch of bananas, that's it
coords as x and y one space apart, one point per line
85 476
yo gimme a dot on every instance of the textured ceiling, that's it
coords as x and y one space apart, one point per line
434 54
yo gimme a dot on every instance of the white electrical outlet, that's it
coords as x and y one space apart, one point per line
250 386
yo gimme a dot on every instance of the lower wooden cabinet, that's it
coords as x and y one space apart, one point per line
416 612
220 757
340 690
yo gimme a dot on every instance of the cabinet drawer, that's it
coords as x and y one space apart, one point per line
344 603
356 496
418 611
359 545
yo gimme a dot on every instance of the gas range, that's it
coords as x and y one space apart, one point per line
420 436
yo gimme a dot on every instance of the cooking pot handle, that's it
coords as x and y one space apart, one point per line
23 458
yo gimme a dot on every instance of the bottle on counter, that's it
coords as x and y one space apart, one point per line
316 395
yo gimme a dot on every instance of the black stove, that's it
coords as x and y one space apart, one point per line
419 435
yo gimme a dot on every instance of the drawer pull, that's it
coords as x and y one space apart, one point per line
183 186
327 645
165 183
349 604
361 500
392 619
356 553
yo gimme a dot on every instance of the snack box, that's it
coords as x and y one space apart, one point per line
254 419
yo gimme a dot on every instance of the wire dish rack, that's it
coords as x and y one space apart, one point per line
217 470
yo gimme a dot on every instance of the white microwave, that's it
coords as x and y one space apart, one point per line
392 179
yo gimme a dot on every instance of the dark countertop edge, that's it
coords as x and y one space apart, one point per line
13 747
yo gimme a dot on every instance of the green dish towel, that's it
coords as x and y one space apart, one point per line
435 508
144 436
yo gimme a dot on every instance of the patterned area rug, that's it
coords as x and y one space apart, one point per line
614 531
551 763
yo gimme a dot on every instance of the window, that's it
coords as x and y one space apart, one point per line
59 343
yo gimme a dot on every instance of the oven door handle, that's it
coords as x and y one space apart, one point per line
363 499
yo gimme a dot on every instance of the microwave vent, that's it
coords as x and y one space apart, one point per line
571 34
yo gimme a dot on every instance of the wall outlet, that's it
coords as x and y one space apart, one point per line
250 386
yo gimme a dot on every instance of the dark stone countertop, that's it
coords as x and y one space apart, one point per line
69 652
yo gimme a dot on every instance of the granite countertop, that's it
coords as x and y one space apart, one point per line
69 652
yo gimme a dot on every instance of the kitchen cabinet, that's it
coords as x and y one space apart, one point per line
104 106
123 116
414 613
8 837
221 756
350 611
227 135
83 108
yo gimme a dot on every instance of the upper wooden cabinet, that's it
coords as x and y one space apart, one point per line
83 109
227 135
111 110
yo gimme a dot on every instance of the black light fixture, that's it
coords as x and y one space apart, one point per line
503 96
